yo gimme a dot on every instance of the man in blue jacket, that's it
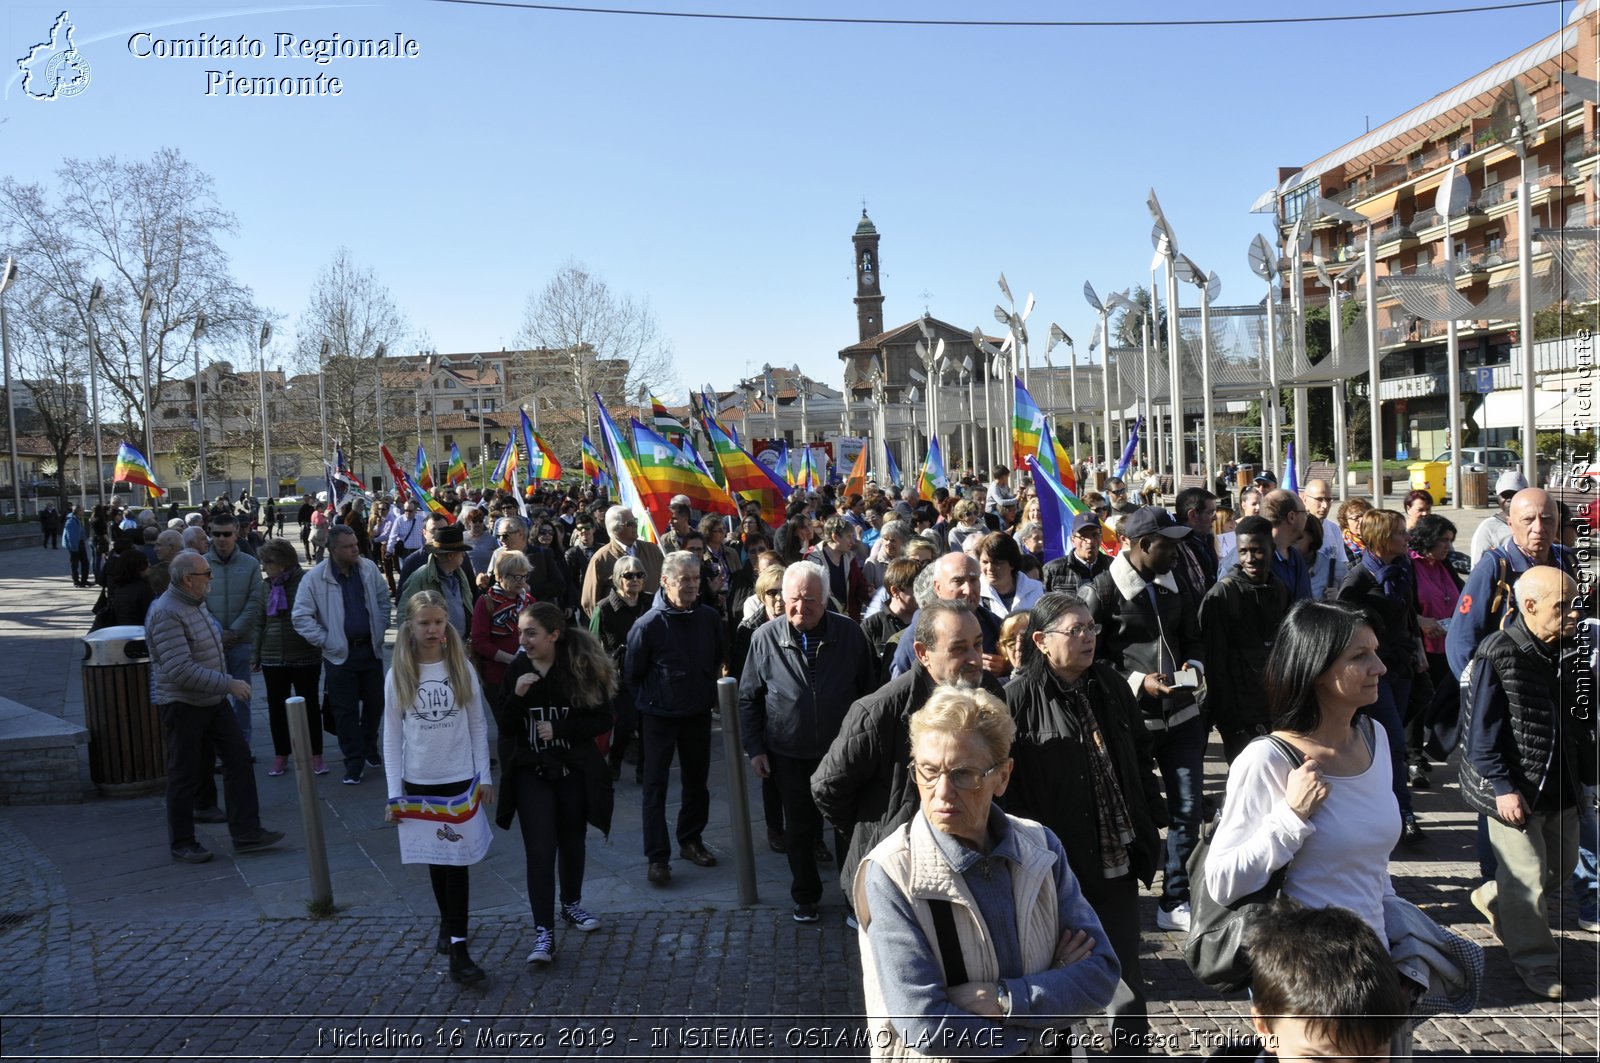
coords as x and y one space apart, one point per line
804 671
675 656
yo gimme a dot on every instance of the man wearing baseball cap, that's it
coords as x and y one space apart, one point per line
1150 633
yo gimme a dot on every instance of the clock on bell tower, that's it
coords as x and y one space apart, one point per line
869 294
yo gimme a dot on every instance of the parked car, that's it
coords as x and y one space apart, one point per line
1494 460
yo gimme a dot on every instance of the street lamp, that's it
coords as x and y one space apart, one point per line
1059 335
993 362
147 303
266 422
7 275
97 297
1146 320
804 384
932 355
1264 264
1105 365
199 399
483 446
1210 286
377 380
1166 245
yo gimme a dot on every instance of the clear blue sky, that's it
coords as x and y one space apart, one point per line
717 168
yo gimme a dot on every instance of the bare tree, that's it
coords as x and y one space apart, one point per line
142 229
52 364
579 338
349 316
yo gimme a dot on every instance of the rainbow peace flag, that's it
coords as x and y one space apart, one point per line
1027 425
504 475
747 477
542 461
665 471
133 469
594 469
933 474
626 467
1057 507
456 808
422 495
810 474
1054 459
665 424
457 473
424 474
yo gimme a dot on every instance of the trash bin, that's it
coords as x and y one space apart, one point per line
1245 476
1474 486
127 751
1429 476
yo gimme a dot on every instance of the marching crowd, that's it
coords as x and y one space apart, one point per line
998 752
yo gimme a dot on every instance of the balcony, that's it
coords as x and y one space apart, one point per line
1423 220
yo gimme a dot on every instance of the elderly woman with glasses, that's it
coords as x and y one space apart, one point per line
495 640
1085 769
973 926
611 621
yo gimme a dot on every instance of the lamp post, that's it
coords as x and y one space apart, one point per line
266 422
1122 301
146 304
199 400
8 274
804 384
1059 335
994 361
1166 244
483 446
1210 286
97 295
1264 264
1105 366
322 397
377 382
931 353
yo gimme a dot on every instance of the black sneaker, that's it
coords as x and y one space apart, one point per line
263 839
805 913
374 761
352 780
544 946
575 916
191 852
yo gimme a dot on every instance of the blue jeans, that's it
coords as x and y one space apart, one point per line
1180 753
1394 693
237 658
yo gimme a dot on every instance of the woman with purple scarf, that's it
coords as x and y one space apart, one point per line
1384 585
285 660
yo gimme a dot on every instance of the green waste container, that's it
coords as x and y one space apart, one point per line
1429 476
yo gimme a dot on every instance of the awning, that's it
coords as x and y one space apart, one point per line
1551 409
1379 209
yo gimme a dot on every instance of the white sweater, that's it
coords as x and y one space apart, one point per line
1340 857
439 738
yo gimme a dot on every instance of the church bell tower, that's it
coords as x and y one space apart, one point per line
869 296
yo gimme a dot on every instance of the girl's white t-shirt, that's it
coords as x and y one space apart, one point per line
440 737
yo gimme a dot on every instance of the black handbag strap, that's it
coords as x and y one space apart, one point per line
1288 748
944 925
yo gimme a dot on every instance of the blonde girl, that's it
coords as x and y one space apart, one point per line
556 700
435 740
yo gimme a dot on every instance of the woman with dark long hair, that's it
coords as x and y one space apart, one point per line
554 704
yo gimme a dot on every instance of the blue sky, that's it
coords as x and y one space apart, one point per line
717 168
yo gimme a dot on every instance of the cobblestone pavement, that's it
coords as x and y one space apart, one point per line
109 950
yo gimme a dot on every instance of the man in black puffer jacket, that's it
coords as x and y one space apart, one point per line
1239 620
1527 756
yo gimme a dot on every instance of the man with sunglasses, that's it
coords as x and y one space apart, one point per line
234 598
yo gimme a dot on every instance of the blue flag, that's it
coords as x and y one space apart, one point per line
1291 479
1053 513
1127 452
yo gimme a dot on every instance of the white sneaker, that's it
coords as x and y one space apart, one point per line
1175 919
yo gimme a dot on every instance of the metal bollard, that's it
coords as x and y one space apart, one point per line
310 810
744 857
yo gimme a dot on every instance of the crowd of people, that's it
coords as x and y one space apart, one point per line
999 752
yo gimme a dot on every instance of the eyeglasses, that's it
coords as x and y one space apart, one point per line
633 575
961 778
1077 631
205 572
1319 498
222 535
1015 640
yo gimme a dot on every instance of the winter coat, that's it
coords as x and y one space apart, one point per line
318 612
1138 637
277 642
1393 621
1051 783
187 663
1239 620
782 708
674 660
575 721
236 592
1068 573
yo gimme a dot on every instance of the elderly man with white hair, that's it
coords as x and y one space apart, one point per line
804 670
622 527
675 656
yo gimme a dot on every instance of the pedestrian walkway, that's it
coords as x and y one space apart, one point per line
113 950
